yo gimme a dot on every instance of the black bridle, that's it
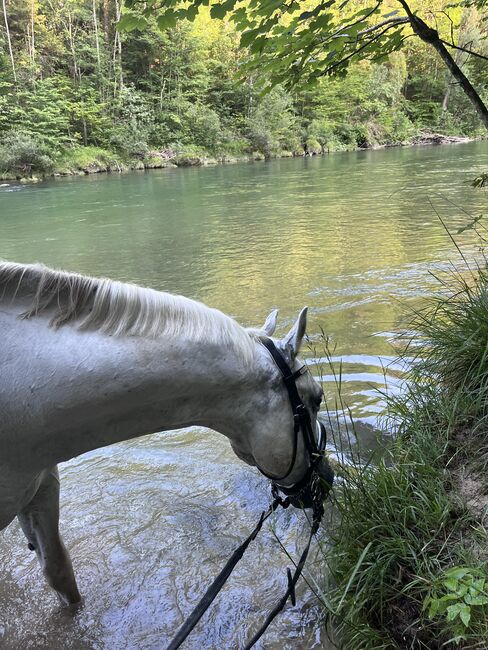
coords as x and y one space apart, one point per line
309 483
314 445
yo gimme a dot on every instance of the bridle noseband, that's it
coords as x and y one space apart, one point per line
301 422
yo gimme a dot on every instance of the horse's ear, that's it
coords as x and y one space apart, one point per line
293 340
270 325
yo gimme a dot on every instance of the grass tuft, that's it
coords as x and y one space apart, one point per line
407 520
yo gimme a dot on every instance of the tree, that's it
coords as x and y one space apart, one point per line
292 41
9 40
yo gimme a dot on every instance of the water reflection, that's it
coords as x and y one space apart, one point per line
151 521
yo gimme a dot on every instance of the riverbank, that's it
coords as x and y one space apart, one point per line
28 168
408 560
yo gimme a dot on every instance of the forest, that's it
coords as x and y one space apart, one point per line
77 95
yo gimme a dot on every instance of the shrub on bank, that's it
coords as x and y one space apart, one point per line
23 155
89 160
408 562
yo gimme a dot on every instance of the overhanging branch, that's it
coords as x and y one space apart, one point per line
356 51
391 21
464 49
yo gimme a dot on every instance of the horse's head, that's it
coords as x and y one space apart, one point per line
280 431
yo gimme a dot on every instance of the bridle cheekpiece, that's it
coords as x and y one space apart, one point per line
314 444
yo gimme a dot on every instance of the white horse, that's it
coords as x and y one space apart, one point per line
91 362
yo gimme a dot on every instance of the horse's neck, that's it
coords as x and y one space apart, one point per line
87 390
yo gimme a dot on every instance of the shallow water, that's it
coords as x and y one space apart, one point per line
149 523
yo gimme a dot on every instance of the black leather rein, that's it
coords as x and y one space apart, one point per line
309 482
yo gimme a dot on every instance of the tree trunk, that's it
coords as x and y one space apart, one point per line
33 32
458 75
118 48
72 47
106 21
97 44
431 36
9 41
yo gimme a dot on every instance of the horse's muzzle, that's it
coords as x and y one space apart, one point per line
305 497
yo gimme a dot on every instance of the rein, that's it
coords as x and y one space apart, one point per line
310 482
216 586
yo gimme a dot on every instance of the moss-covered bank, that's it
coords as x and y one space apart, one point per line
408 564
25 161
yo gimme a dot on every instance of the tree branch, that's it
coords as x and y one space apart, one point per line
408 11
464 49
431 36
359 49
390 24
341 30
390 21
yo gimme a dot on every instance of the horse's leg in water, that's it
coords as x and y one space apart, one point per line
40 523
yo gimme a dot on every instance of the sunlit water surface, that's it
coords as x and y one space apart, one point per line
356 237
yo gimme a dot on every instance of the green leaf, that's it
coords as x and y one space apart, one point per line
353 574
130 21
476 600
258 43
470 225
451 583
248 37
458 572
465 615
167 19
323 21
433 608
219 11
453 611
447 598
191 13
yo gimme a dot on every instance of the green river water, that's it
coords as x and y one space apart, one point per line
356 237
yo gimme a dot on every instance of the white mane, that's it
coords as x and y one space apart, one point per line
119 308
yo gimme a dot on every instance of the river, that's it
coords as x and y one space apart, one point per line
355 236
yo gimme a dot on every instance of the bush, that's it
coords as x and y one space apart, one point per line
203 127
346 134
322 131
136 121
129 142
23 155
273 127
313 146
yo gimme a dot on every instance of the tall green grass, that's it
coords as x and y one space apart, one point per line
403 522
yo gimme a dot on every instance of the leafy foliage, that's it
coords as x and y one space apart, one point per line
460 594
180 78
293 42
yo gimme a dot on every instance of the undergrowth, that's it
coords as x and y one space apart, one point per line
408 563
